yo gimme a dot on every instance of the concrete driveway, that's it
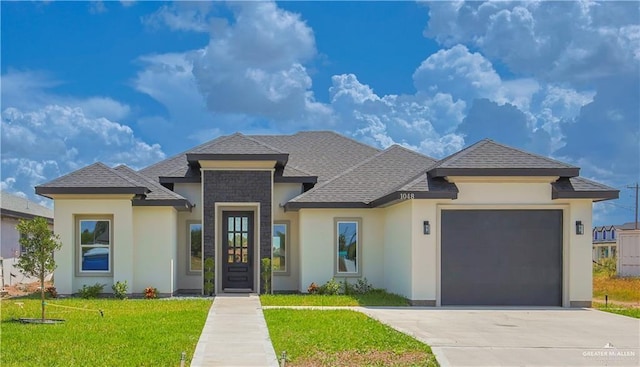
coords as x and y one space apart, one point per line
518 336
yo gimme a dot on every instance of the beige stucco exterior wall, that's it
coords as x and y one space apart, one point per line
398 239
154 245
577 285
282 193
317 245
186 280
67 280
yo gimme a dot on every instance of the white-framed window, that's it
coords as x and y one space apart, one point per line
348 247
280 248
194 241
95 245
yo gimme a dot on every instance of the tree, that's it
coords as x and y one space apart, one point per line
38 243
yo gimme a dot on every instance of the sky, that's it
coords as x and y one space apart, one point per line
125 82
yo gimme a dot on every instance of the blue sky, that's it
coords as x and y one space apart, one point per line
135 82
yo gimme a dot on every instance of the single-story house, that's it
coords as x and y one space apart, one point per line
12 209
488 225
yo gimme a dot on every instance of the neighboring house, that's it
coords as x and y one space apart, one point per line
628 246
605 239
14 208
489 225
604 242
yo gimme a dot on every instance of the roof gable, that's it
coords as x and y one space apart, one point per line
96 178
368 180
488 158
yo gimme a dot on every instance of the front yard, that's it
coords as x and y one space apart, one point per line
131 333
623 293
342 338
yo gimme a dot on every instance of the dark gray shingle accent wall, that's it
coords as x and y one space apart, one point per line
237 187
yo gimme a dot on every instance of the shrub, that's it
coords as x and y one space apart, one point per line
150 293
51 292
609 266
120 289
92 291
348 288
362 286
209 276
265 274
313 288
330 288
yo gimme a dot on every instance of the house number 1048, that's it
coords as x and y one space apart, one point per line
407 196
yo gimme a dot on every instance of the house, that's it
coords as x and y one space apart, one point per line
12 209
488 225
605 240
628 250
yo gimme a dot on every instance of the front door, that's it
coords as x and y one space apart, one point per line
237 251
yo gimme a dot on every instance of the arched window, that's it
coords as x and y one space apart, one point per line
613 234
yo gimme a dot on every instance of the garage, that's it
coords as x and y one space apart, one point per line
501 258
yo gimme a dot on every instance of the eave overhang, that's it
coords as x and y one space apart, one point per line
21 215
399 196
134 190
561 172
178 204
195 158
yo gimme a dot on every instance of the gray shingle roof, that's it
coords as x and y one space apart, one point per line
17 206
580 187
156 191
324 154
488 158
100 179
370 179
236 144
95 178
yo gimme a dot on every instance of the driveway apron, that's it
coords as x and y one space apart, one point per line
235 334
519 337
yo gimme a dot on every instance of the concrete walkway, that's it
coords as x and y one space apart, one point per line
235 334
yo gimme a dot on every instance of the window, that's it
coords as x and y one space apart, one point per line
95 245
613 234
348 248
280 247
195 247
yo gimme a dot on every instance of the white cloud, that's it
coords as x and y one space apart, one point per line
97 7
181 16
555 41
45 135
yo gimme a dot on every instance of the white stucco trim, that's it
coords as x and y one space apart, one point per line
566 239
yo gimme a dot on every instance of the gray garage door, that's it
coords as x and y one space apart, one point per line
501 257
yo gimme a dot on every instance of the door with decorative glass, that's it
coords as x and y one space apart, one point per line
237 250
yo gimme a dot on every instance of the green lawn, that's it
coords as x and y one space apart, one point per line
373 298
619 309
131 333
342 338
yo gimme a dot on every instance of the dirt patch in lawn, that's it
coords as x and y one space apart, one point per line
366 358
23 289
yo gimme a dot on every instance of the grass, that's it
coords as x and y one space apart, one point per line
618 309
373 298
618 289
342 338
131 333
